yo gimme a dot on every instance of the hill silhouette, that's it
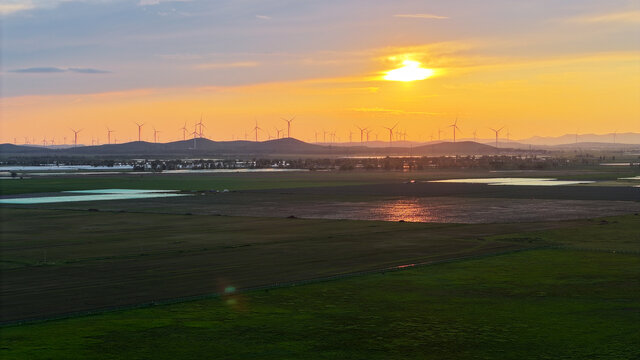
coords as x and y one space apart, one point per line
279 147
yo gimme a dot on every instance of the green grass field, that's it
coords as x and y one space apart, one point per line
555 303
548 290
256 181
543 304
166 182
106 259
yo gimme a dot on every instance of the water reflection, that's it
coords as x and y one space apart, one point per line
517 181
412 210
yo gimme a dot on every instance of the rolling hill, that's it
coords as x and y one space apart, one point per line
282 147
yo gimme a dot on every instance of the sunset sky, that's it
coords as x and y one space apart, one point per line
542 67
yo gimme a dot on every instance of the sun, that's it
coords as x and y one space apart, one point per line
411 71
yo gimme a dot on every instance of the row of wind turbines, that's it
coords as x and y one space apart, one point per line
199 128
402 135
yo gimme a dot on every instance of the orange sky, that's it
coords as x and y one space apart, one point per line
484 82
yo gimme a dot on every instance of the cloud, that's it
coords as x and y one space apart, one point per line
421 16
392 111
157 2
88 71
263 17
39 70
51 69
228 65
616 17
14 7
181 56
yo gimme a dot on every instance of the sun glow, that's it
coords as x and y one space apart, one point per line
411 71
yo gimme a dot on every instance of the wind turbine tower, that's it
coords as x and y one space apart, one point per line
455 127
289 125
201 125
155 135
391 133
140 131
184 131
109 131
497 132
362 131
256 128
75 136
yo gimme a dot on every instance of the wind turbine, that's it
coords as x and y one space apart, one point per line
439 133
139 131
75 136
368 131
362 130
201 124
155 135
184 131
256 128
454 126
474 134
109 131
497 132
289 125
195 136
278 131
391 133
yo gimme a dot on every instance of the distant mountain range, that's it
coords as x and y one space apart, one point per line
282 147
289 147
568 141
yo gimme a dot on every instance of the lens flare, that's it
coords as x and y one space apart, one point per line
411 71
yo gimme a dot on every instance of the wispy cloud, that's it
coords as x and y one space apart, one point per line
263 17
8 8
421 16
178 56
616 17
52 69
88 71
238 64
38 70
156 2
391 111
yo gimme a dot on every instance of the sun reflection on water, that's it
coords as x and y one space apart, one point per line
410 210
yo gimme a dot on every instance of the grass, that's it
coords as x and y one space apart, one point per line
577 300
545 304
107 259
256 181
620 234
162 181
